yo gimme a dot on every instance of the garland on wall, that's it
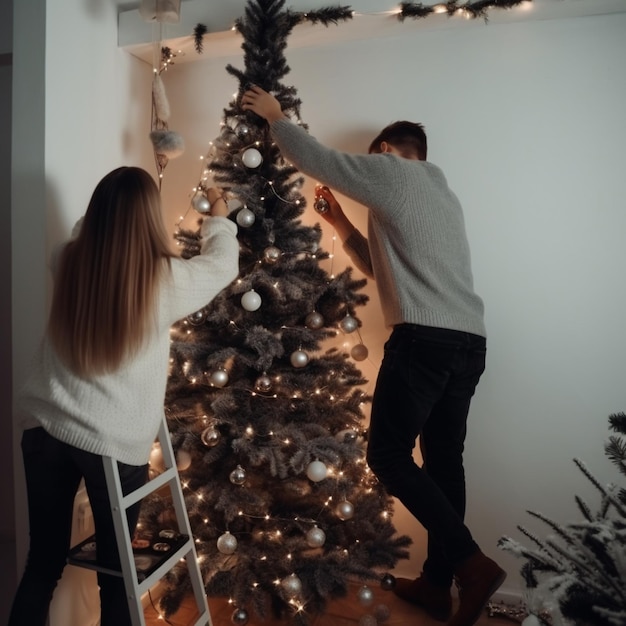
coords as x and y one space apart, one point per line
479 8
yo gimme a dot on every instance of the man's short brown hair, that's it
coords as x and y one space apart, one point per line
409 138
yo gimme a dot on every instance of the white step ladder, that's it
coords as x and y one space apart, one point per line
138 580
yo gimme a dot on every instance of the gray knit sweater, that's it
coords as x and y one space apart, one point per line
119 414
417 248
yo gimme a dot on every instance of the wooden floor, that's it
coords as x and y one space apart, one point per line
342 612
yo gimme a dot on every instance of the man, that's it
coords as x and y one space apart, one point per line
417 251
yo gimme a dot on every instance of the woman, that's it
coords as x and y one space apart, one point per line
98 383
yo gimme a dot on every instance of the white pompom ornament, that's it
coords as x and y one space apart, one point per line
316 471
251 300
252 158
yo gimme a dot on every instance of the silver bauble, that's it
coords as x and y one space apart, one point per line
346 436
251 300
314 320
239 616
242 131
321 205
227 543
316 537
245 218
252 158
238 476
219 378
349 324
263 383
271 255
197 318
210 436
299 358
291 584
316 471
201 204
365 596
359 352
344 510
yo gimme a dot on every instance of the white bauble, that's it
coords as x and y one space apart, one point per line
316 471
344 510
314 320
227 543
316 537
219 378
349 324
291 584
251 300
201 204
245 218
252 158
299 358
365 596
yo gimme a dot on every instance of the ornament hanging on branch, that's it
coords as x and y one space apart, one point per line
252 158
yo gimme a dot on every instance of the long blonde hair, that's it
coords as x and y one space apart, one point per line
103 306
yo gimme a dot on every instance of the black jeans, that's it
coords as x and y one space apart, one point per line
53 473
424 388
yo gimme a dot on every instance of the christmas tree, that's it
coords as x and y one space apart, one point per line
578 574
265 418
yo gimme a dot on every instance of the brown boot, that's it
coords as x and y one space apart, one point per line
478 579
436 601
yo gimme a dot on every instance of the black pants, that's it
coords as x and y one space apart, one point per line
53 473
424 388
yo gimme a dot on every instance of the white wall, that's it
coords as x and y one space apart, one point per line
527 121
81 107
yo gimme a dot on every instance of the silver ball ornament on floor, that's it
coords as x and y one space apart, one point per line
227 543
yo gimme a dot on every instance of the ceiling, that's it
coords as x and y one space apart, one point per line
372 18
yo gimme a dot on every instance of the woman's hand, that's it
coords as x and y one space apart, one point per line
262 103
219 208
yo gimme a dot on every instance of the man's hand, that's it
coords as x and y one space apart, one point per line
262 103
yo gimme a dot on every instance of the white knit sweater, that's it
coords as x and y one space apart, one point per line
119 414
416 245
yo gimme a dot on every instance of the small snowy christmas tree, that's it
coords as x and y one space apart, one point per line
578 574
265 419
